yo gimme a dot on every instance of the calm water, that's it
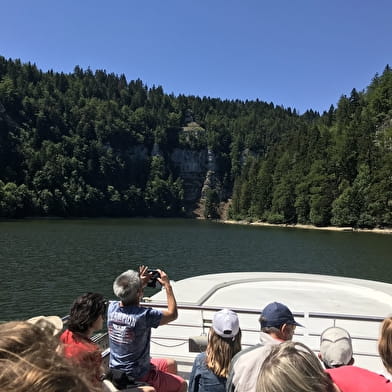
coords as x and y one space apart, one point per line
45 264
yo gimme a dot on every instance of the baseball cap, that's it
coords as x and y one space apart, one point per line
335 347
54 322
225 323
276 314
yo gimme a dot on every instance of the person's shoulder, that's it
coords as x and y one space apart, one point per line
70 337
350 369
199 364
66 336
144 313
251 349
143 310
201 356
266 339
113 305
244 354
359 375
153 312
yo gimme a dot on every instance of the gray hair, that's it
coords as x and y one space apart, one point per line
126 287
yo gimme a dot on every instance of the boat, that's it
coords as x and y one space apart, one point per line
317 302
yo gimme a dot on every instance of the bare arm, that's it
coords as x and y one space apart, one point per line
171 313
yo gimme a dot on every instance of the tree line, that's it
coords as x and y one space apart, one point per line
69 147
336 170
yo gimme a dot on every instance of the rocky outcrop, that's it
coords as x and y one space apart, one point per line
192 167
196 167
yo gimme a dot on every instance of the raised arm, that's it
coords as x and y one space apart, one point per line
171 313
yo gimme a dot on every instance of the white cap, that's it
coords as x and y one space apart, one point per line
225 323
54 322
335 347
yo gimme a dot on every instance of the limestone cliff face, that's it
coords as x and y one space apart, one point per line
211 180
196 167
192 167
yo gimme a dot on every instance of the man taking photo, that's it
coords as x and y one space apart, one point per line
129 327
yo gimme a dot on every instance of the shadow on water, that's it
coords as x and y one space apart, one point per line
45 264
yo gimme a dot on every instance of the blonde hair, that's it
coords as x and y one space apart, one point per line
220 351
385 343
293 367
29 361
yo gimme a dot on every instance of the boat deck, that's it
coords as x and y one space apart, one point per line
317 301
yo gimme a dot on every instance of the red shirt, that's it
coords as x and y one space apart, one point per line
356 379
82 351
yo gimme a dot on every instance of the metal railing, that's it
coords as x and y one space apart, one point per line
203 323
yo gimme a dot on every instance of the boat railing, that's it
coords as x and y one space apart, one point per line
362 328
180 332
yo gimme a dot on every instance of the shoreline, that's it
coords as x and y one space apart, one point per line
306 227
221 221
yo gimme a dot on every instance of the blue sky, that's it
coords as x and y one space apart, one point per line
302 54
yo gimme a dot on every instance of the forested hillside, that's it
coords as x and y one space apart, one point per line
94 144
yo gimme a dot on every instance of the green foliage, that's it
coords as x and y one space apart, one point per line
92 143
14 199
211 208
163 196
334 170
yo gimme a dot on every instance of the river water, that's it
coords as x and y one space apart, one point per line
45 264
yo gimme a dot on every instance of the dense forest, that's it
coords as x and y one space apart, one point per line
94 144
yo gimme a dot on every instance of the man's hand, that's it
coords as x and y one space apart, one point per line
144 275
164 279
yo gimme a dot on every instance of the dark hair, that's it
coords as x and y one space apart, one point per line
85 311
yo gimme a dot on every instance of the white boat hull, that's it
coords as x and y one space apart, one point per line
318 302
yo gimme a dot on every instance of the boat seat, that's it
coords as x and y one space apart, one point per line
197 344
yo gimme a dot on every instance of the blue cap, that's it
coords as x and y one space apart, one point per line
276 314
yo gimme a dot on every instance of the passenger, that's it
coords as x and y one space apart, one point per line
385 345
277 325
293 367
211 368
337 355
356 379
30 362
129 327
86 317
336 348
53 323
